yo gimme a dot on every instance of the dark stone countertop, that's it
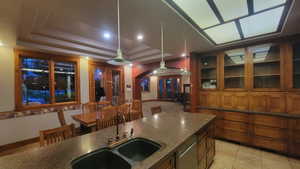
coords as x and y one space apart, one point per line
171 130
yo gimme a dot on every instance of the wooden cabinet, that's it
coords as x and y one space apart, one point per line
271 144
258 102
209 99
270 121
206 147
236 116
295 64
166 164
209 72
293 103
235 100
266 66
268 102
234 69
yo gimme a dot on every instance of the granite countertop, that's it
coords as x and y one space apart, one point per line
169 129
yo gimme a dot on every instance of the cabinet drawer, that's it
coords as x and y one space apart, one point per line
274 133
295 149
271 144
270 121
235 136
235 126
236 116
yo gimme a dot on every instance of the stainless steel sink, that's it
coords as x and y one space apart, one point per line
120 157
101 159
138 149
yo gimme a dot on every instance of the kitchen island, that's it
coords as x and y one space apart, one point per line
172 131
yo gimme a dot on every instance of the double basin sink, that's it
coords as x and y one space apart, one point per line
120 157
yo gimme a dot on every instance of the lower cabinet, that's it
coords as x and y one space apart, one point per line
277 133
206 147
166 164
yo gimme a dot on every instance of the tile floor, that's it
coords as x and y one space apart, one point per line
234 156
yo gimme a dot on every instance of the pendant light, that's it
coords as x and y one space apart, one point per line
185 71
119 60
163 70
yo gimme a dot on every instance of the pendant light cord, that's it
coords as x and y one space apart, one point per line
162 42
119 38
185 52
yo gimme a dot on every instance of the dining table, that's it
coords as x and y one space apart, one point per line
87 120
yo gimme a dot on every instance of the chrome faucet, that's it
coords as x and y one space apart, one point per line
120 117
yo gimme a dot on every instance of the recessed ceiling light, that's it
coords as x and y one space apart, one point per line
155 71
87 58
106 35
1 44
140 37
183 54
130 64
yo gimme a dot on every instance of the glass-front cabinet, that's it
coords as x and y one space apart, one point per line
234 69
208 68
296 65
266 66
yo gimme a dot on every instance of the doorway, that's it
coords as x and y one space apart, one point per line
169 87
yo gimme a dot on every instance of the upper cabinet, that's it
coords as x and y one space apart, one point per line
296 65
234 69
208 72
266 66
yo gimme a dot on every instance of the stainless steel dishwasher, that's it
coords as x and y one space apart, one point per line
186 157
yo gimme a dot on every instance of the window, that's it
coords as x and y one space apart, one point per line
44 80
145 84
99 84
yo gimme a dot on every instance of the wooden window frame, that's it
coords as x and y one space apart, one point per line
166 77
19 54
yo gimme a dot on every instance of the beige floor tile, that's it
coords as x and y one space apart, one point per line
295 163
276 164
274 156
248 159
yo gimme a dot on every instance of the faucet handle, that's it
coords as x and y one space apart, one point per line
109 141
131 132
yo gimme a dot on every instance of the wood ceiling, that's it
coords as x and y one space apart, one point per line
75 27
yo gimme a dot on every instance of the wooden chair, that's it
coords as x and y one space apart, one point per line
136 110
61 118
107 117
56 135
89 107
156 110
102 104
125 109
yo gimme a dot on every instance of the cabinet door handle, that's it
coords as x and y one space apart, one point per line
188 149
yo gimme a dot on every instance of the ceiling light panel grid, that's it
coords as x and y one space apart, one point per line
227 21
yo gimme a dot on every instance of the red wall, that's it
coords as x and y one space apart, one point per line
139 71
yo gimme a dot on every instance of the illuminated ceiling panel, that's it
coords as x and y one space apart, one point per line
266 4
225 21
224 33
199 11
262 23
225 7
